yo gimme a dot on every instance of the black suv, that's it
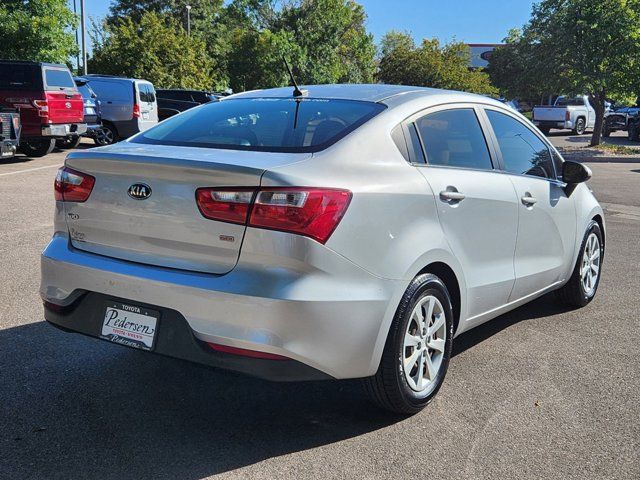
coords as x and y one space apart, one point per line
173 101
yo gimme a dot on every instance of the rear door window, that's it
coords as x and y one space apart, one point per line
146 92
57 79
454 138
264 124
523 152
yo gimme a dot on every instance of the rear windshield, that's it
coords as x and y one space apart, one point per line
20 77
57 79
84 90
147 94
263 124
574 101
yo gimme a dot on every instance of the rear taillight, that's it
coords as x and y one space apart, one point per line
567 115
42 106
225 205
136 110
73 186
312 212
16 123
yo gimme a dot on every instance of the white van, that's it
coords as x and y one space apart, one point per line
128 105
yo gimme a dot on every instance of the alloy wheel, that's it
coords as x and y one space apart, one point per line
590 269
424 343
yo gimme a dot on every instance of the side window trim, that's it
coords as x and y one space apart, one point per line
411 123
494 140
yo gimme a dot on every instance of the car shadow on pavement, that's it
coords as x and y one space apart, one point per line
76 407
545 306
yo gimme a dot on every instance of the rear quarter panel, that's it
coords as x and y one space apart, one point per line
391 228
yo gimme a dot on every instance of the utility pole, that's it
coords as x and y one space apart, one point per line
188 7
75 12
84 38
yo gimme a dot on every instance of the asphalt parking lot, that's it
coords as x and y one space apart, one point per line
538 393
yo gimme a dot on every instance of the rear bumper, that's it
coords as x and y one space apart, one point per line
329 320
176 339
64 129
553 124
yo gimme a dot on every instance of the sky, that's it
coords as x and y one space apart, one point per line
479 21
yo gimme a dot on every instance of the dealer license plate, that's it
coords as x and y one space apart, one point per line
130 325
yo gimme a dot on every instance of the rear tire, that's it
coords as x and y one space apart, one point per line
412 371
632 133
580 290
580 127
106 135
37 147
68 142
545 130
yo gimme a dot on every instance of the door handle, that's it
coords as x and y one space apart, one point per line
452 196
528 200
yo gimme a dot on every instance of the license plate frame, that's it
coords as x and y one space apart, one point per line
130 325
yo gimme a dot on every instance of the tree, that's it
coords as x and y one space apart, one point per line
332 38
580 46
325 41
38 30
429 65
155 48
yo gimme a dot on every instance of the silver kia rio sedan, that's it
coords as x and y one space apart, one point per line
344 231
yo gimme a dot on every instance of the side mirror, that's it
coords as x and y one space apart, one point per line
574 173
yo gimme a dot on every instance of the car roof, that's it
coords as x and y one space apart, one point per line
362 92
30 62
94 76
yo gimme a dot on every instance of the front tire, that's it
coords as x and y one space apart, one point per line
418 348
37 147
584 281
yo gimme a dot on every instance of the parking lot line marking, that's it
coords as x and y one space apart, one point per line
29 170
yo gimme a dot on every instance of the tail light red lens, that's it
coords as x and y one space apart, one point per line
136 110
225 205
312 212
73 186
567 115
42 106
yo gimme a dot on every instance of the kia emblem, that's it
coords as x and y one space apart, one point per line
139 191
67 105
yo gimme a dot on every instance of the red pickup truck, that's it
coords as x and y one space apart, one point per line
50 105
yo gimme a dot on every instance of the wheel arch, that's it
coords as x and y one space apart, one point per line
450 280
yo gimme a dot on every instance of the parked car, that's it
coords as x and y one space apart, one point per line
567 113
10 127
633 127
91 115
351 231
618 119
50 105
128 105
174 101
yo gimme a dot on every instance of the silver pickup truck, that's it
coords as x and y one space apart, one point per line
568 113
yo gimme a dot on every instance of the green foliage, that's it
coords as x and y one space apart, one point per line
325 41
155 48
575 47
38 30
430 65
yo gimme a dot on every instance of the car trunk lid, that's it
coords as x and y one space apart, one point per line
165 229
